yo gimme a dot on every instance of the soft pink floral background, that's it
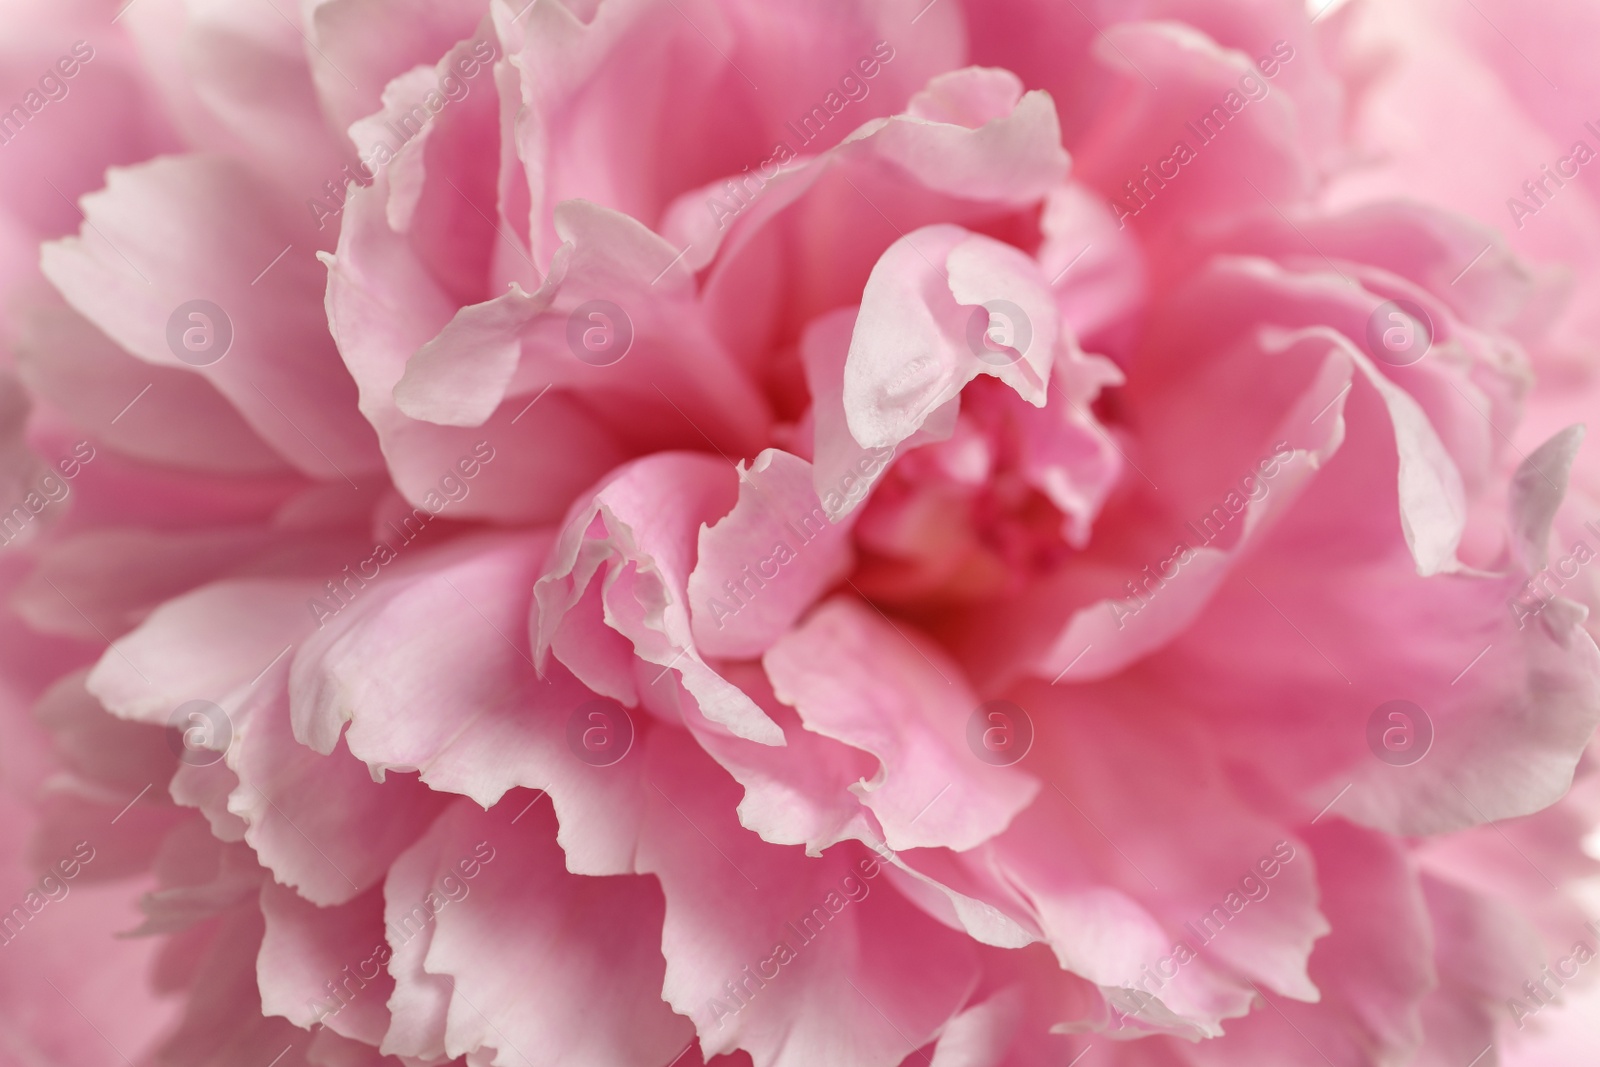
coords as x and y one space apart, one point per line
553 603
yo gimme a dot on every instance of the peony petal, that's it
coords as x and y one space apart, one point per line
508 727
180 419
309 952
912 350
582 949
759 968
127 275
888 694
778 523
637 535
384 304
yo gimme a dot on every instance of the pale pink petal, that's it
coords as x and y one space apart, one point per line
508 727
519 344
776 536
370 43
383 305
169 416
581 948
1121 871
758 936
1373 971
843 470
899 699
128 275
912 349
635 541
308 953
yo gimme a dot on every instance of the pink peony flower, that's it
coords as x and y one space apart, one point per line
625 533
